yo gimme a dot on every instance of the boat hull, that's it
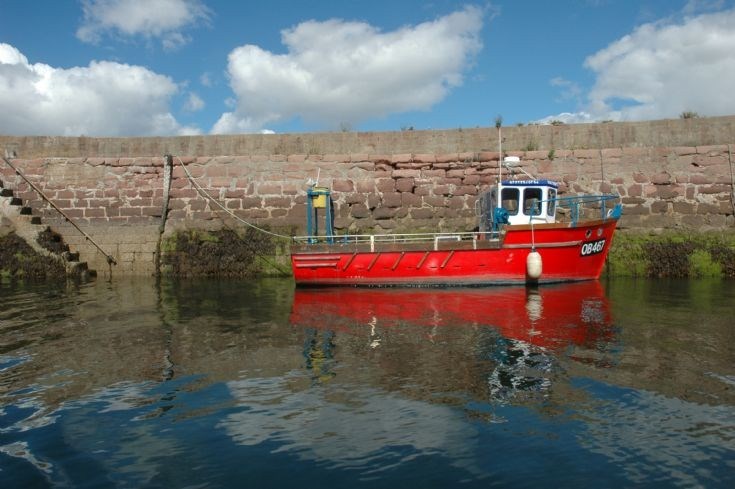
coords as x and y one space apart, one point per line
568 253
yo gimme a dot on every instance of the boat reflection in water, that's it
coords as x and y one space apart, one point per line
501 343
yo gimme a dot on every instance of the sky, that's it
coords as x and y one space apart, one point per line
187 67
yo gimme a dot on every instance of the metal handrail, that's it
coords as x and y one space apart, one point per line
110 259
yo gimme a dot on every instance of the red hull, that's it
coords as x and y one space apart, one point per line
567 253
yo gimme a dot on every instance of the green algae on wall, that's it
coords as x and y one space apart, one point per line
19 260
681 255
223 253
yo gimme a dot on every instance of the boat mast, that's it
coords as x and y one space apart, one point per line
498 124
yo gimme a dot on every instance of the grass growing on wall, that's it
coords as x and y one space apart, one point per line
672 255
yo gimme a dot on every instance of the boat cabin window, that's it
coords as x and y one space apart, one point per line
551 209
510 197
532 201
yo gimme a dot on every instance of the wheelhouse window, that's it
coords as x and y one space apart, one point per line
532 201
551 205
510 197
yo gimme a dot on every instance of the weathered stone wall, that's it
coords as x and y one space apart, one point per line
119 200
644 134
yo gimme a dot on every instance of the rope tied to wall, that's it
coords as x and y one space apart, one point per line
210 198
206 194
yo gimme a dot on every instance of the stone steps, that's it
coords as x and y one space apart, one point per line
29 227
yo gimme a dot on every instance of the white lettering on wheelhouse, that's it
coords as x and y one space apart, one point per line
593 247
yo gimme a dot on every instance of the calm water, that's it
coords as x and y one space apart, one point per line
253 384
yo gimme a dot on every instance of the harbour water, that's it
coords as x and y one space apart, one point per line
134 383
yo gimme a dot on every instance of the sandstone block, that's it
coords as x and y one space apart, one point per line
680 207
423 189
425 157
405 173
392 199
662 178
381 159
472 180
359 211
373 201
386 185
342 185
633 210
251 202
382 213
124 211
659 207
710 160
465 190
411 200
421 213
282 202
269 189
405 184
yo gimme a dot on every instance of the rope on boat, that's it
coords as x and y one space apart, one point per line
205 194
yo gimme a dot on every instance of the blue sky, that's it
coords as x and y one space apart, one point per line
174 67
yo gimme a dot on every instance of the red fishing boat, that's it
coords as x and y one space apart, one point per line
526 234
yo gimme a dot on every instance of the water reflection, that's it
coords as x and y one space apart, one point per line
552 316
499 343
233 383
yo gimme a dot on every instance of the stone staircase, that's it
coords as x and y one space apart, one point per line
39 237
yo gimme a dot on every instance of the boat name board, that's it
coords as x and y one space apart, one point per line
593 247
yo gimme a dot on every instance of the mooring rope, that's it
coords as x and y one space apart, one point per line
253 226
216 202
732 179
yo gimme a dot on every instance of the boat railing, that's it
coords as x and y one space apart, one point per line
381 239
574 206
580 206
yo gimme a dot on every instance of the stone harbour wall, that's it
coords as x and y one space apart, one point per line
119 201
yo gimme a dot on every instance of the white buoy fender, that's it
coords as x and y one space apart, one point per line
534 265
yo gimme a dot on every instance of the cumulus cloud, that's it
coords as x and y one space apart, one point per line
161 19
338 72
193 103
662 69
102 99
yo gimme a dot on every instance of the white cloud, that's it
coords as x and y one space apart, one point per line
206 79
193 103
569 89
102 99
344 72
163 19
664 68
